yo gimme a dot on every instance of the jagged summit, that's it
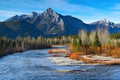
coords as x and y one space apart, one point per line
16 17
49 12
22 17
106 20
33 14
49 22
105 23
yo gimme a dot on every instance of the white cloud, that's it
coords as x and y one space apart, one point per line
60 6
57 5
115 7
116 12
9 13
6 14
83 12
65 6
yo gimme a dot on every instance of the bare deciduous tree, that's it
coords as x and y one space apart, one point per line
103 35
84 37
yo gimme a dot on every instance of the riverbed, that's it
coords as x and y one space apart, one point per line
38 65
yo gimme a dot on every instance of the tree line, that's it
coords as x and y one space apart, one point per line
8 46
98 41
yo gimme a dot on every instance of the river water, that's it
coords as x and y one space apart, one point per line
36 65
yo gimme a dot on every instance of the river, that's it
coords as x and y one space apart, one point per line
36 65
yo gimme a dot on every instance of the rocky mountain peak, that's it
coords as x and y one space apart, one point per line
49 12
33 14
16 17
106 20
50 23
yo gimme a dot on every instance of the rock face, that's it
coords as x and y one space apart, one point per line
105 23
22 17
18 28
49 23
52 23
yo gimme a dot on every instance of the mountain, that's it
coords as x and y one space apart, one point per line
18 28
22 17
105 23
48 24
5 31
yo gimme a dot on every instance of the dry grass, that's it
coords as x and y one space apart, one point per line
78 56
75 55
110 62
57 51
108 50
87 60
90 60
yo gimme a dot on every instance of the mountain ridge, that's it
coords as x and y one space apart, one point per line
51 23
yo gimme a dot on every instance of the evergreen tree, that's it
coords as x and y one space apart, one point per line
79 43
96 42
74 43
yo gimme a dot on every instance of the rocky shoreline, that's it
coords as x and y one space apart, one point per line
62 56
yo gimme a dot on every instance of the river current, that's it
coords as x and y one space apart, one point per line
36 65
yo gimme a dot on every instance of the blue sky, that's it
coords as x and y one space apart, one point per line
86 10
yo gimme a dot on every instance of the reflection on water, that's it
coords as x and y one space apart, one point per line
35 65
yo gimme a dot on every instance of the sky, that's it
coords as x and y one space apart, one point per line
86 10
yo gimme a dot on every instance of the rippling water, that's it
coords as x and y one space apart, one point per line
35 65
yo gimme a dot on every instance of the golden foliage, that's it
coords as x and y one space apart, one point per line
78 56
105 49
57 51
